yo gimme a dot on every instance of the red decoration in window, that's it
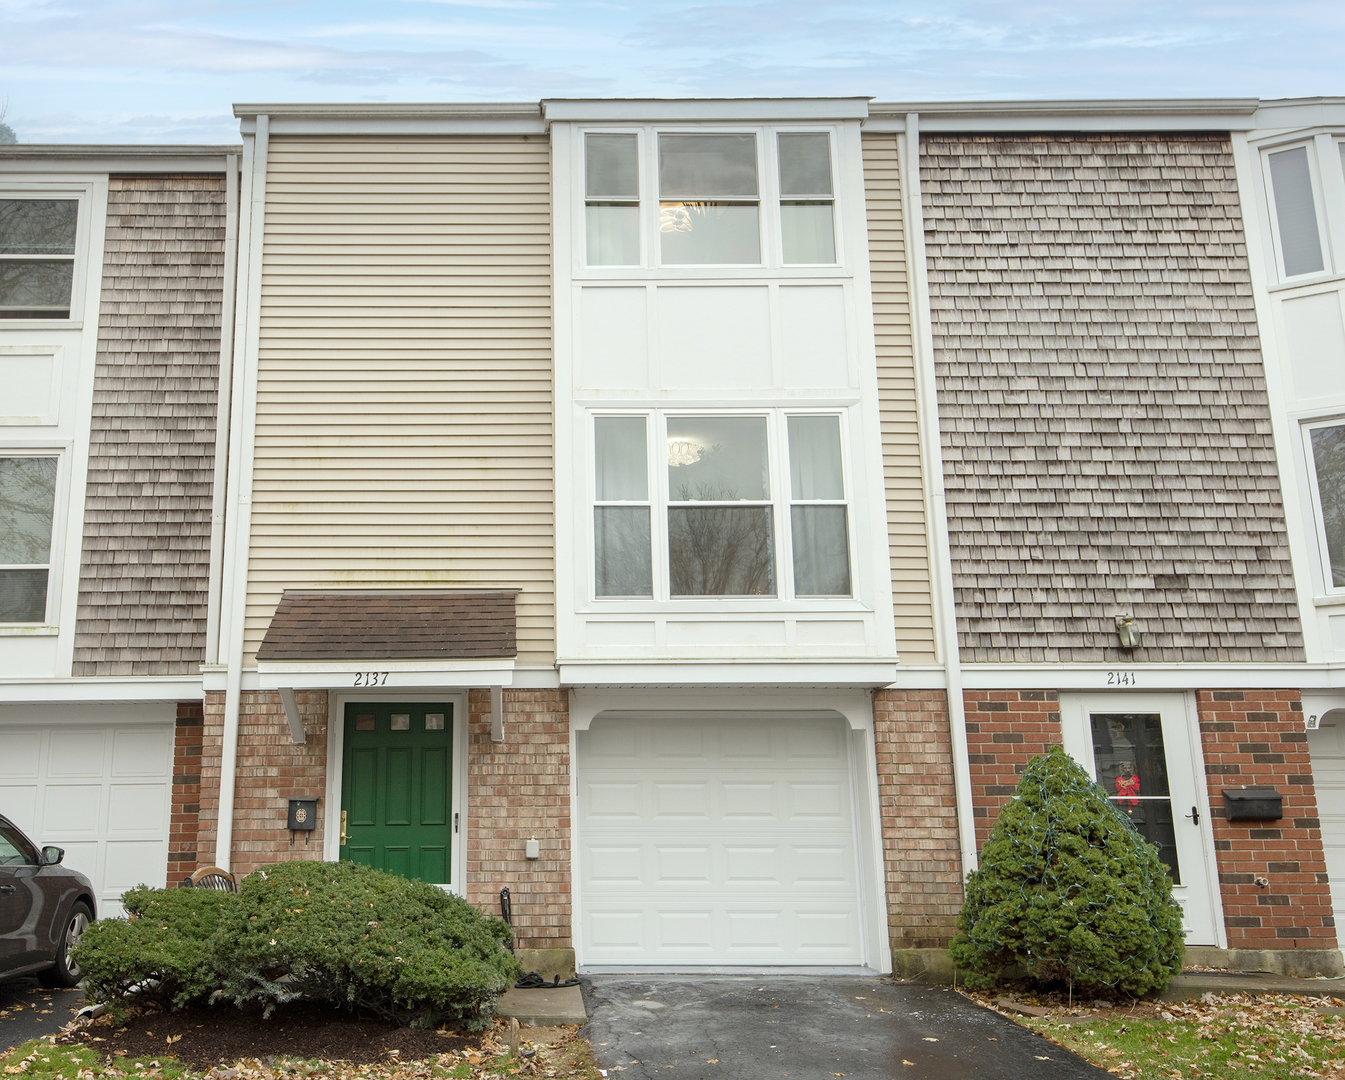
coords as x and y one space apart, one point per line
1127 787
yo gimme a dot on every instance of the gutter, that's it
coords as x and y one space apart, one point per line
238 514
931 451
223 396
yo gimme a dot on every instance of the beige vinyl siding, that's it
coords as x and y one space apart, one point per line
907 538
404 401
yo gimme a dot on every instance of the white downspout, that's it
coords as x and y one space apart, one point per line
931 450
223 407
241 436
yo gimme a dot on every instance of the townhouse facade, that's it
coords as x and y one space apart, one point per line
625 504
116 273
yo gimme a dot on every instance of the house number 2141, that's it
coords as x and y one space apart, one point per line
371 678
1122 678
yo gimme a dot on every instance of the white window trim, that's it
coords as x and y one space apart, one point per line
768 202
81 193
1323 583
59 524
780 501
1327 176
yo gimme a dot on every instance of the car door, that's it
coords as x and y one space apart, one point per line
21 901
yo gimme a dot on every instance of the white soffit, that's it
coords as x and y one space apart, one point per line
868 674
131 688
1196 114
1291 114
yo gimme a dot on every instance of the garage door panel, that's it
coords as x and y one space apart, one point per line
77 753
139 753
1327 746
18 802
744 857
134 862
136 807
23 753
72 809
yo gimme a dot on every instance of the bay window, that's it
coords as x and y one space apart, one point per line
27 512
740 506
708 199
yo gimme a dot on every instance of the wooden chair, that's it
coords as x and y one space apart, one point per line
211 877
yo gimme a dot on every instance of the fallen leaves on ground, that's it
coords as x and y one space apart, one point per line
1229 1036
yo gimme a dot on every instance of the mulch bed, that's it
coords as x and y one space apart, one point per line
205 1037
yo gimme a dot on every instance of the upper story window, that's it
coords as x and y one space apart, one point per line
37 257
739 506
27 513
711 205
1296 218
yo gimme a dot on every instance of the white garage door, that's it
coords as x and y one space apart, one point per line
717 841
103 793
1327 746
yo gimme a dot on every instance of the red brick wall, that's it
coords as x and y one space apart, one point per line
516 790
271 771
184 821
1257 737
918 806
1005 730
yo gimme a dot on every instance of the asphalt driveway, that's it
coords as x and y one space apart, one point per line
28 1009
734 1027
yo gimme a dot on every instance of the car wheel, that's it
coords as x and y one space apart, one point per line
65 973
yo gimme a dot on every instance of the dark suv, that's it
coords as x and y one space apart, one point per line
44 909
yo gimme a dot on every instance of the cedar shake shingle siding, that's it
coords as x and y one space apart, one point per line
142 589
1107 443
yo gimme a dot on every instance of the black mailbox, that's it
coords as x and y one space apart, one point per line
1253 804
303 814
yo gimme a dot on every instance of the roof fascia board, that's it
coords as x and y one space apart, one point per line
1277 116
65 158
1215 114
664 110
410 119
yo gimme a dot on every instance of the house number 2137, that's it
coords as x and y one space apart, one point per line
371 678
1122 678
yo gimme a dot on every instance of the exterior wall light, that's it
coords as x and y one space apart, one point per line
1127 632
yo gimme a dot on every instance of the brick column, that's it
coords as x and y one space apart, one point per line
918 807
516 790
186 811
1256 737
1005 730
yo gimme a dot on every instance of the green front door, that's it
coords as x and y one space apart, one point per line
396 788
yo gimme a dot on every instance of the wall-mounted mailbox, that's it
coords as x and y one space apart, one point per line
303 814
1253 804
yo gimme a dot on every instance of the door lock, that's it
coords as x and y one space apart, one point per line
1194 815
344 835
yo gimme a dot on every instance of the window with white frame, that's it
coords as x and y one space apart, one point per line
709 198
27 514
740 506
37 257
1325 444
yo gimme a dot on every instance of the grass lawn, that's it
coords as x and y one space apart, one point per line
1231 1037
569 1058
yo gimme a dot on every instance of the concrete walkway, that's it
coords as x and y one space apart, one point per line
809 1027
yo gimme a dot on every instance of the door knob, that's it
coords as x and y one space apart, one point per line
1194 815
344 836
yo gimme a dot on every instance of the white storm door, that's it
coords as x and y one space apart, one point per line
717 841
1144 750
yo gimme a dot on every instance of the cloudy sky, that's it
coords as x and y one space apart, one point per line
169 70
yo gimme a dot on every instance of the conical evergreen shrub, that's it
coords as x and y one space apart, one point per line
1068 889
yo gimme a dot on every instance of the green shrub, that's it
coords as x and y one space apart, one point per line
165 947
362 938
1068 889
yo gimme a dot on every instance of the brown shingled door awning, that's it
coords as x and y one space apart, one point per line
372 626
